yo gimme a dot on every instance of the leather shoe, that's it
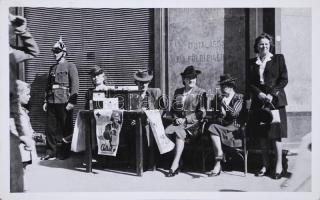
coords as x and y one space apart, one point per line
172 173
48 157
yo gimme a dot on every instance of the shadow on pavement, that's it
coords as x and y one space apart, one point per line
231 190
71 163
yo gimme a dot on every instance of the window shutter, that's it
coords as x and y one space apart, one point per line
118 40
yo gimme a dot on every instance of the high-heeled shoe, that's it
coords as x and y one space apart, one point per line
172 173
277 176
212 173
261 172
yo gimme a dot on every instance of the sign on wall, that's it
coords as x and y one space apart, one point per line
195 37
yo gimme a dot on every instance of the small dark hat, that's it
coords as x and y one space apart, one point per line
265 116
143 76
95 71
190 72
226 78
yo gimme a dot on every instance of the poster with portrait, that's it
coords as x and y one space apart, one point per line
108 127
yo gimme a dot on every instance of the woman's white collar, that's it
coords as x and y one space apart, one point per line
268 58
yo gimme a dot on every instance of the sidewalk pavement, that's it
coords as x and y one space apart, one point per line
70 176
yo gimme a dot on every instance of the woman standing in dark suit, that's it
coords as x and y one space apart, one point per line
268 77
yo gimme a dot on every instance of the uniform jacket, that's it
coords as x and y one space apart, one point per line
64 76
275 78
233 110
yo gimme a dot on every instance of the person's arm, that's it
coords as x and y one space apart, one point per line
29 48
74 84
282 80
47 90
235 110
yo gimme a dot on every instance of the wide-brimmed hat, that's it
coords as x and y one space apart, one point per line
190 72
226 79
265 116
143 76
95 71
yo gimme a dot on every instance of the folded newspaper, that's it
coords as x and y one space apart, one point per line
163 142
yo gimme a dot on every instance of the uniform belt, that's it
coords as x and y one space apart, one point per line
56 86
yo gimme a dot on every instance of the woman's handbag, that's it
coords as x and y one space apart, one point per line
268 116
275 115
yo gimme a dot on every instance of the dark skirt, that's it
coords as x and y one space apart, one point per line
229 135
270 131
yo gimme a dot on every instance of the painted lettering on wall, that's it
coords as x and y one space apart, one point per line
197 58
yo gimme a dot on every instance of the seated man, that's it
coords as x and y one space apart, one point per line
149 96
150 99
227 107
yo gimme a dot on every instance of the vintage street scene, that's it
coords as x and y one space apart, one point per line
119 100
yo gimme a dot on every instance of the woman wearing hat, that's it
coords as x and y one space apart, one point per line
227 108
268 77
187 111
98 79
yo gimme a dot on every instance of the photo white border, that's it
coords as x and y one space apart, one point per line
4 105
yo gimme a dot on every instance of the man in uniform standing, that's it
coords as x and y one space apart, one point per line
60 99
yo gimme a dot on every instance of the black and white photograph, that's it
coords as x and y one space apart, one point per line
171 100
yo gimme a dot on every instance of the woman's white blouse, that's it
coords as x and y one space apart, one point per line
262 66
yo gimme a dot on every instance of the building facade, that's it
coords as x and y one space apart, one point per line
214 40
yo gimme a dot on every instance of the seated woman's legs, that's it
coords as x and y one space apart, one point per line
216 142
215 131
178 153
180 135
174 169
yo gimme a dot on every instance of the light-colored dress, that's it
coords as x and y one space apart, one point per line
22 127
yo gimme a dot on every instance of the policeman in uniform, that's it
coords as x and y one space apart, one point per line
60 99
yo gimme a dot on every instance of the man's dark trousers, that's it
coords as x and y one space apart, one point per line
59 126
